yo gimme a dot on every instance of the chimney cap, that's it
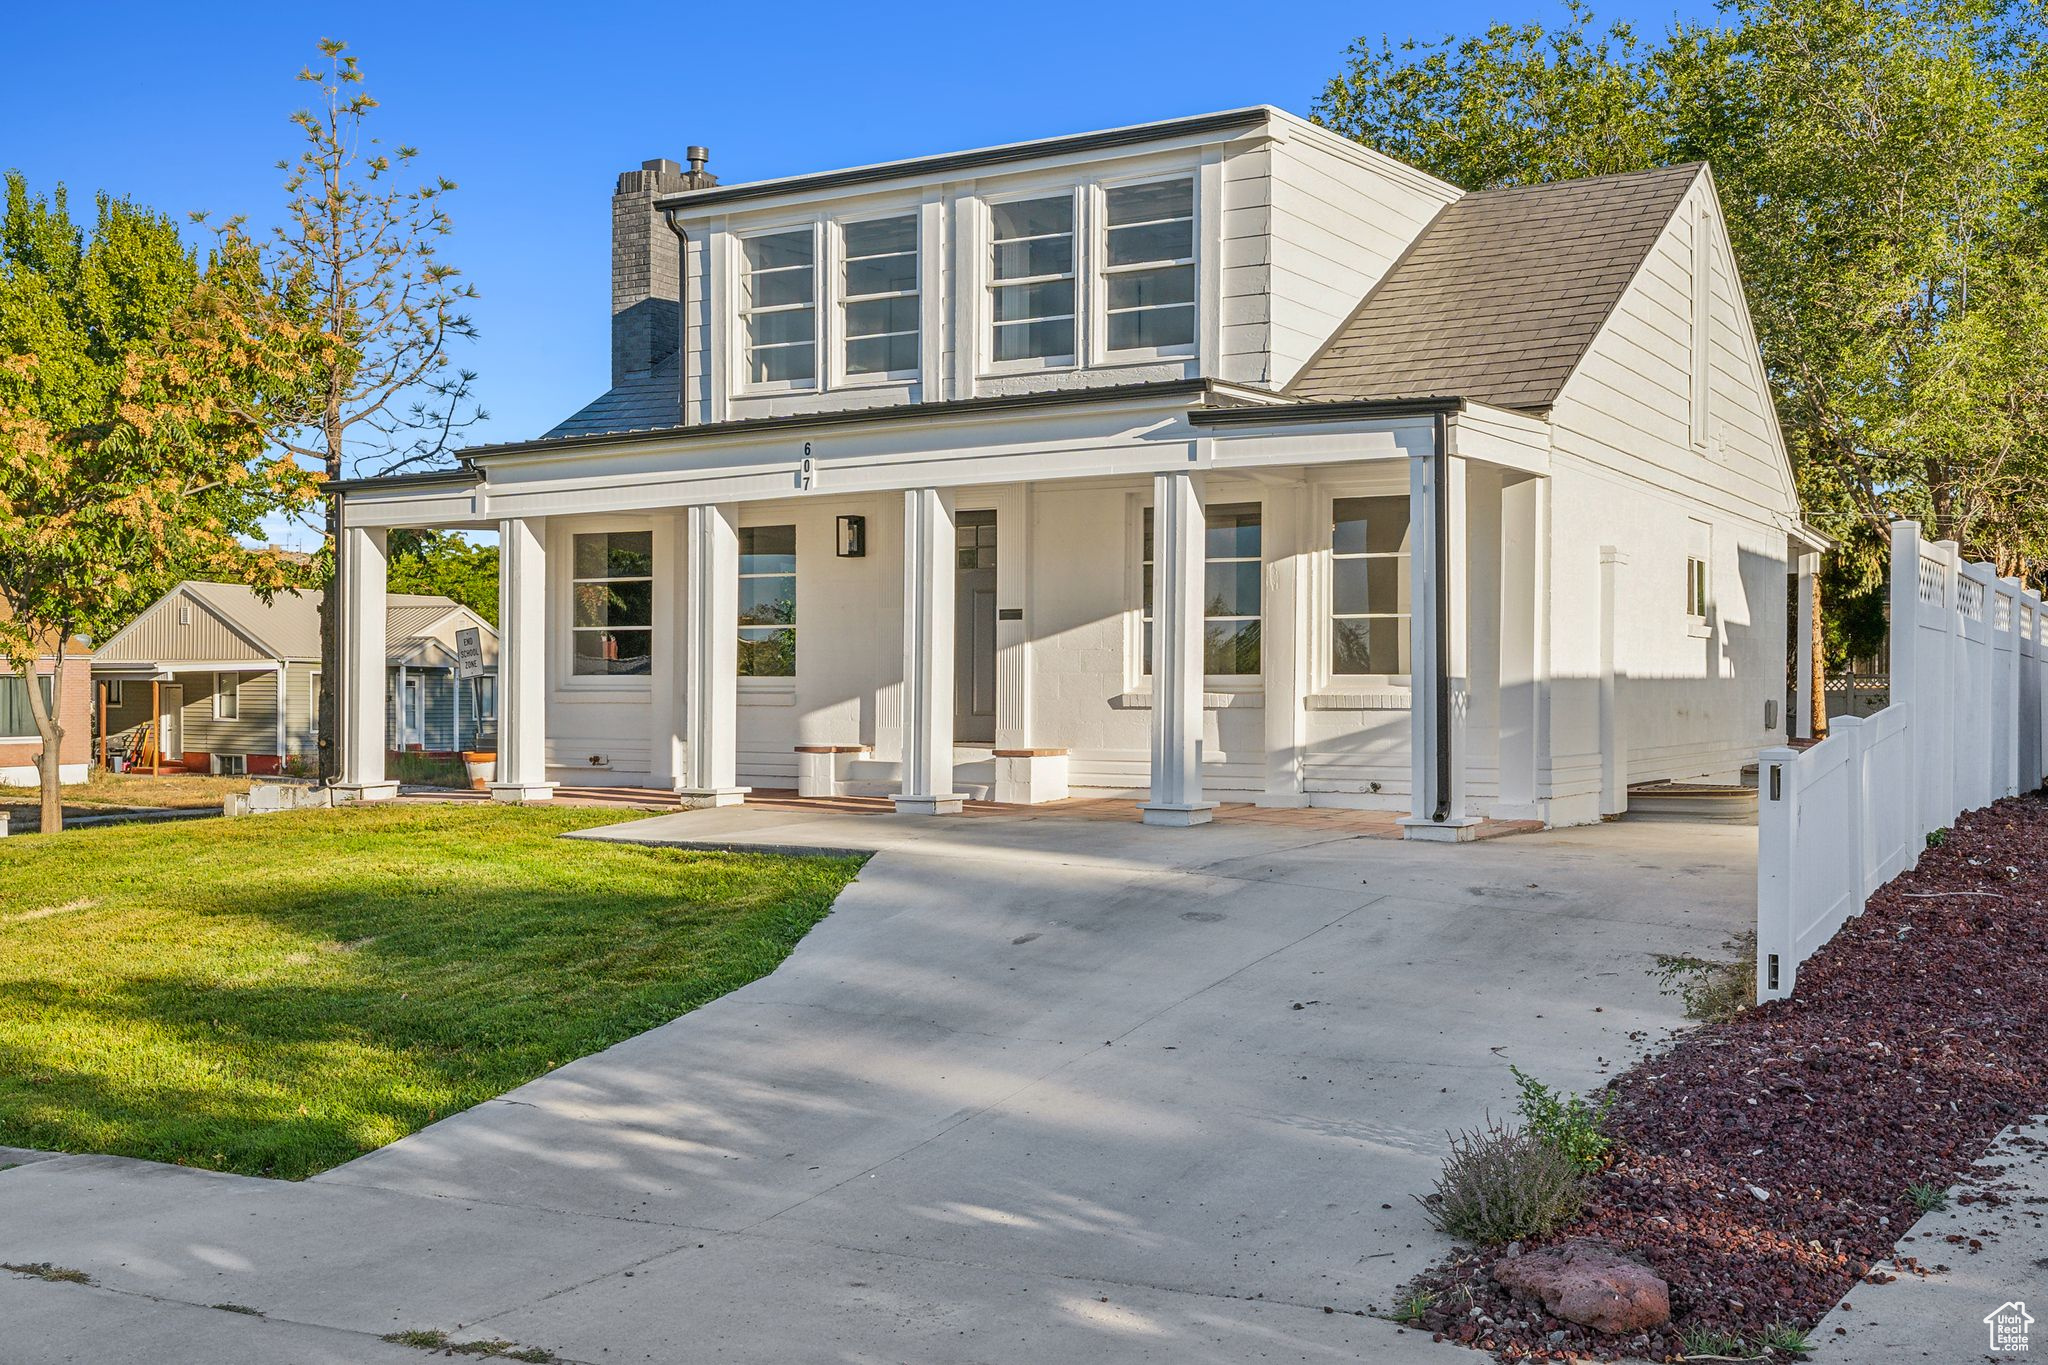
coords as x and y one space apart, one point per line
661 164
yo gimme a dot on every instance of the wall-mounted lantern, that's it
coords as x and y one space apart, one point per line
853 537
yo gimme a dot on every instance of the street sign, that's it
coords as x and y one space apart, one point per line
469 653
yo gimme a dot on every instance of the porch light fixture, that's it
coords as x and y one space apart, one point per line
853 537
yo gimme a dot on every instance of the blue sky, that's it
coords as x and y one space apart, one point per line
533 109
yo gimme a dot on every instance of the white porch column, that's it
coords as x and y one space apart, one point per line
711 659
671 629
363 682
522 774
1523 657
1439 680
1802 700
1178 573
928 572
1613 743
1284 646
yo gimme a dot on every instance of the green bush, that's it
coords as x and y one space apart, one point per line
1573 1126
1499 1184
1712 990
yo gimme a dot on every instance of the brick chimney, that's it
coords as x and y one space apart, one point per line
646 265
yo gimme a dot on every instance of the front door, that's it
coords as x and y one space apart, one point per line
974 663
171 697
411 719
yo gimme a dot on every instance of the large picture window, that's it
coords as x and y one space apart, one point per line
879 296
779 307
1032 278
1369 588
1149 265
16 720
614 603
768 601
1232 589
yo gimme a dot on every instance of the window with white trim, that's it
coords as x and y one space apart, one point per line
113 693
16 720
1031 278
879 297
227 696
612 618
779 308
767 602
1698 571
1232 589
1370 592
1148 268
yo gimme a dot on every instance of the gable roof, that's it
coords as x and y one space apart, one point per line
1501 295
240 626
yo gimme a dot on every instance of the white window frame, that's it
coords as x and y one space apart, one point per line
784 683
31 736
313 704
1098 349
227 686
835 266
822 311
231 765
1139 676
113 693
562 551
1699 577
985 328
1379 690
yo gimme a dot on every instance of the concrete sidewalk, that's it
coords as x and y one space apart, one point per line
1038 1087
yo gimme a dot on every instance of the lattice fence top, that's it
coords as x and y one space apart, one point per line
1969 598
1933 583
2001 613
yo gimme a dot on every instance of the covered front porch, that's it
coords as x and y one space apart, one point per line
1121 599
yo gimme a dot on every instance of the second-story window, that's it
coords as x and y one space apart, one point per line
879 296
1032 278
779 308
1149 265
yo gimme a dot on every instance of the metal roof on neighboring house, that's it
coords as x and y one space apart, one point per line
1502 293
235 624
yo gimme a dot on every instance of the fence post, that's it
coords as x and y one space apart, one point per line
1777 822
2009 757
1905 630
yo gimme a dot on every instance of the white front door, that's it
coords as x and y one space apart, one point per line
172 699
412 726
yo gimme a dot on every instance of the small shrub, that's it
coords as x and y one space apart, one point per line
1411 1306
1712 990
1499 1184
1710 1341
1572 1125
1927 1197
43 1270
1936 838
1787 1341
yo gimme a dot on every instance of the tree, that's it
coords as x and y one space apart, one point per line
352 284
443 562
1879 161
123 455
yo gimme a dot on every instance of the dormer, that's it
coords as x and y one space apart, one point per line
1226 246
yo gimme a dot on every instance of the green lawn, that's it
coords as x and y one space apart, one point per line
277 994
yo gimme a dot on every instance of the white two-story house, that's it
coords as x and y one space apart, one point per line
1217 459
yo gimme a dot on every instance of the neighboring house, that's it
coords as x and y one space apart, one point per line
1218 458
20 742
194 682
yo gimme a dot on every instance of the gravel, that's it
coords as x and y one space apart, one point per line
1762 1163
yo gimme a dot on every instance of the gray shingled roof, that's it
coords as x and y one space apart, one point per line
1501 295
647 401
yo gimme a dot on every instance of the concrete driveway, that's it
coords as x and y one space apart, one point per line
1039 1087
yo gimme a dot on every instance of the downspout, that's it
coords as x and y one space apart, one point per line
1440 552
683 323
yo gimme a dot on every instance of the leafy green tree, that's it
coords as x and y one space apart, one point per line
445 563
350 284
124 462
1880 162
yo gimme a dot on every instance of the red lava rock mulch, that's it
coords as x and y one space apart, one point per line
1762 1163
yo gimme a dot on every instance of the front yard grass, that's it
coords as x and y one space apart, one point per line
277 994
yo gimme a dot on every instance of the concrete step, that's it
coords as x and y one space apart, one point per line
1712 803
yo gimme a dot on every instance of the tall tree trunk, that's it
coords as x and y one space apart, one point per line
49 725
1817 703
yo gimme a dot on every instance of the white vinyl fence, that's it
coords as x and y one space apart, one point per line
1969 678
